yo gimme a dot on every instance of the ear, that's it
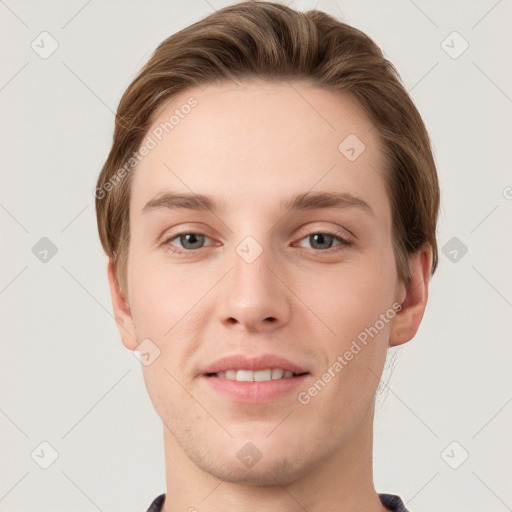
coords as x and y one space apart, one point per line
414 295
122 313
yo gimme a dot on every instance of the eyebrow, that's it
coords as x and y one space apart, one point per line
303 201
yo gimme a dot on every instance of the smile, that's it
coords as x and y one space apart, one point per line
255 376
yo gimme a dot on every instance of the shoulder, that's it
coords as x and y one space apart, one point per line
392 502
157 504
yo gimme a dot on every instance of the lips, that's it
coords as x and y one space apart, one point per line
255 376
247 368
258 380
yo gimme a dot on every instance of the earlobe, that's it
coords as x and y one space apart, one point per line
122 312
407 321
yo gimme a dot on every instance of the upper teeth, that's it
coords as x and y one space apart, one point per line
255 376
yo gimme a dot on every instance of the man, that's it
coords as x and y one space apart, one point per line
269 208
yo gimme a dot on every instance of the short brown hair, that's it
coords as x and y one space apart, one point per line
256 39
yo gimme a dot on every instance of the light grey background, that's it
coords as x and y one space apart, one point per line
67 380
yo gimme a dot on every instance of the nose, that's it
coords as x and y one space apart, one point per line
255 297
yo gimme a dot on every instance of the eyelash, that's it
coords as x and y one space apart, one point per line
343 242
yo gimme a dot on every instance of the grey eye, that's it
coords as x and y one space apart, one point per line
320 241
191 240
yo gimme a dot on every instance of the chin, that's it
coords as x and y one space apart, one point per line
263 474
270 469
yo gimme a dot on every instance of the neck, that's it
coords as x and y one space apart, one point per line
342 482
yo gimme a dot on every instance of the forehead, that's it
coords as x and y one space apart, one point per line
259 140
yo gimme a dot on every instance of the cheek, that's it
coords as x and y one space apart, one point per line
155 296
355 345
162 304
351 302
350 299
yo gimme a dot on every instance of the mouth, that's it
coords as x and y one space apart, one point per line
260 379
264 375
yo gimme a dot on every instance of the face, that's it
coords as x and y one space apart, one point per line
272 301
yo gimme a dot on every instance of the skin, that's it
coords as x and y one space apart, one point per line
251 146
